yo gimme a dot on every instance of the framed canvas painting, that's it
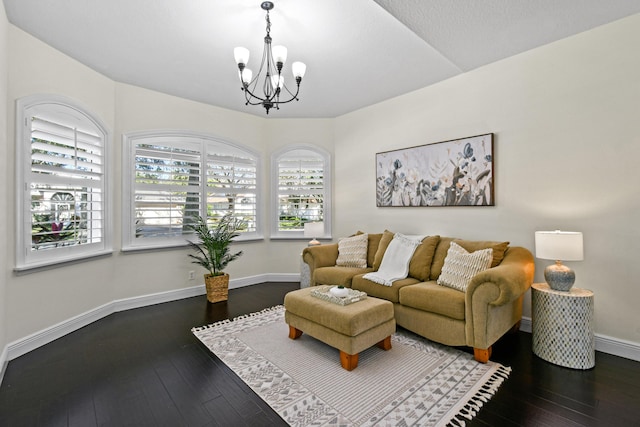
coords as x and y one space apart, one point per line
450 173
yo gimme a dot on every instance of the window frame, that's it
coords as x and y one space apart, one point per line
186 138
276 157
49 105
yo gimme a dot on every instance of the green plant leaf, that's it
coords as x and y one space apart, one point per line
212 250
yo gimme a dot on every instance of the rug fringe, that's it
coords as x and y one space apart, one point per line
482 396
244 316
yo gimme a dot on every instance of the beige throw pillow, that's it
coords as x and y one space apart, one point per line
352 251
460 266
499 248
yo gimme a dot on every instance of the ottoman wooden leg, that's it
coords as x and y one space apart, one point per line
348 361
385 344
294 333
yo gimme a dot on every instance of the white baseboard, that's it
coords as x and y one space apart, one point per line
45 336
525 324
618 347
3 363
604 343
262 278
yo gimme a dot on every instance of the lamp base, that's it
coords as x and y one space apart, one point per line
313 242
559 277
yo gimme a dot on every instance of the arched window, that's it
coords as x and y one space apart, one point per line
301 190
62 197
173 176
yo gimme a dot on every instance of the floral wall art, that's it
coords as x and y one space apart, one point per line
451 173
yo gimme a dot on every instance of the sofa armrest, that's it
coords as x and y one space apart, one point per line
320 256
493 301
511 278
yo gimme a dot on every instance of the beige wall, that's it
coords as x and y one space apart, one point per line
567 142
39 299
140 109
5 254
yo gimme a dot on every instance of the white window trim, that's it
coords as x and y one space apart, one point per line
25 260
129 242
275 212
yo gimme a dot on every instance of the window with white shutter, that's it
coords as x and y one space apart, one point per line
172 177
232 184
62 183
301 190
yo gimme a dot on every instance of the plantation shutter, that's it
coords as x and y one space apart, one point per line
178 177
167 187
300 189
66 183
231 184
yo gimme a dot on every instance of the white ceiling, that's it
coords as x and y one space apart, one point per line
358 52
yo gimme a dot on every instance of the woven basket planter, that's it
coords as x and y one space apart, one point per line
217 287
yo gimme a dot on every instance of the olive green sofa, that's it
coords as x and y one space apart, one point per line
477 318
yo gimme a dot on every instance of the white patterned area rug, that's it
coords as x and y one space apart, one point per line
415 383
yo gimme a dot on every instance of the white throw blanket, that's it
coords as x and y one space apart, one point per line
396 259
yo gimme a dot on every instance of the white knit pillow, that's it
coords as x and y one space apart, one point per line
460 266
352 251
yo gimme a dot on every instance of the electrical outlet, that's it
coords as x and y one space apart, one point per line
192 275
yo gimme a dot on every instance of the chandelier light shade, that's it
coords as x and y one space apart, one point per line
267 87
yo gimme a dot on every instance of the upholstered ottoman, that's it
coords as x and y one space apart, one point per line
349 328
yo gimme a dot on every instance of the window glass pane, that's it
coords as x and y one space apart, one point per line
66 185
300 189
180 177
65 216
167 189
231 187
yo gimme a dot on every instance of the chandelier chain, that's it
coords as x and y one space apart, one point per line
268 25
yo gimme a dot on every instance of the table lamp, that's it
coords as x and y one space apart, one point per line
313 230
559 246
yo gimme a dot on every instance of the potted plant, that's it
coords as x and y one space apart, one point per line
214 254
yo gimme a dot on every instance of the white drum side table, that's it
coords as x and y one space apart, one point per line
563 327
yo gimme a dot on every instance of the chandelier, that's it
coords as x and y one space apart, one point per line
267 89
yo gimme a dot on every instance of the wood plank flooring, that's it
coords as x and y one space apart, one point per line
144 367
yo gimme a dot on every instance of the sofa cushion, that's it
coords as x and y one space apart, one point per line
390 293
352 251
460 266
499 249
431 297
374 243
337 276
420 265
385 239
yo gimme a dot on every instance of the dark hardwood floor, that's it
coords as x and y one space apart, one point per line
144 367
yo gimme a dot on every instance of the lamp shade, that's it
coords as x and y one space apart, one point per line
559 245
313 229
246 75
277 82
279 53
241 55
298 69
